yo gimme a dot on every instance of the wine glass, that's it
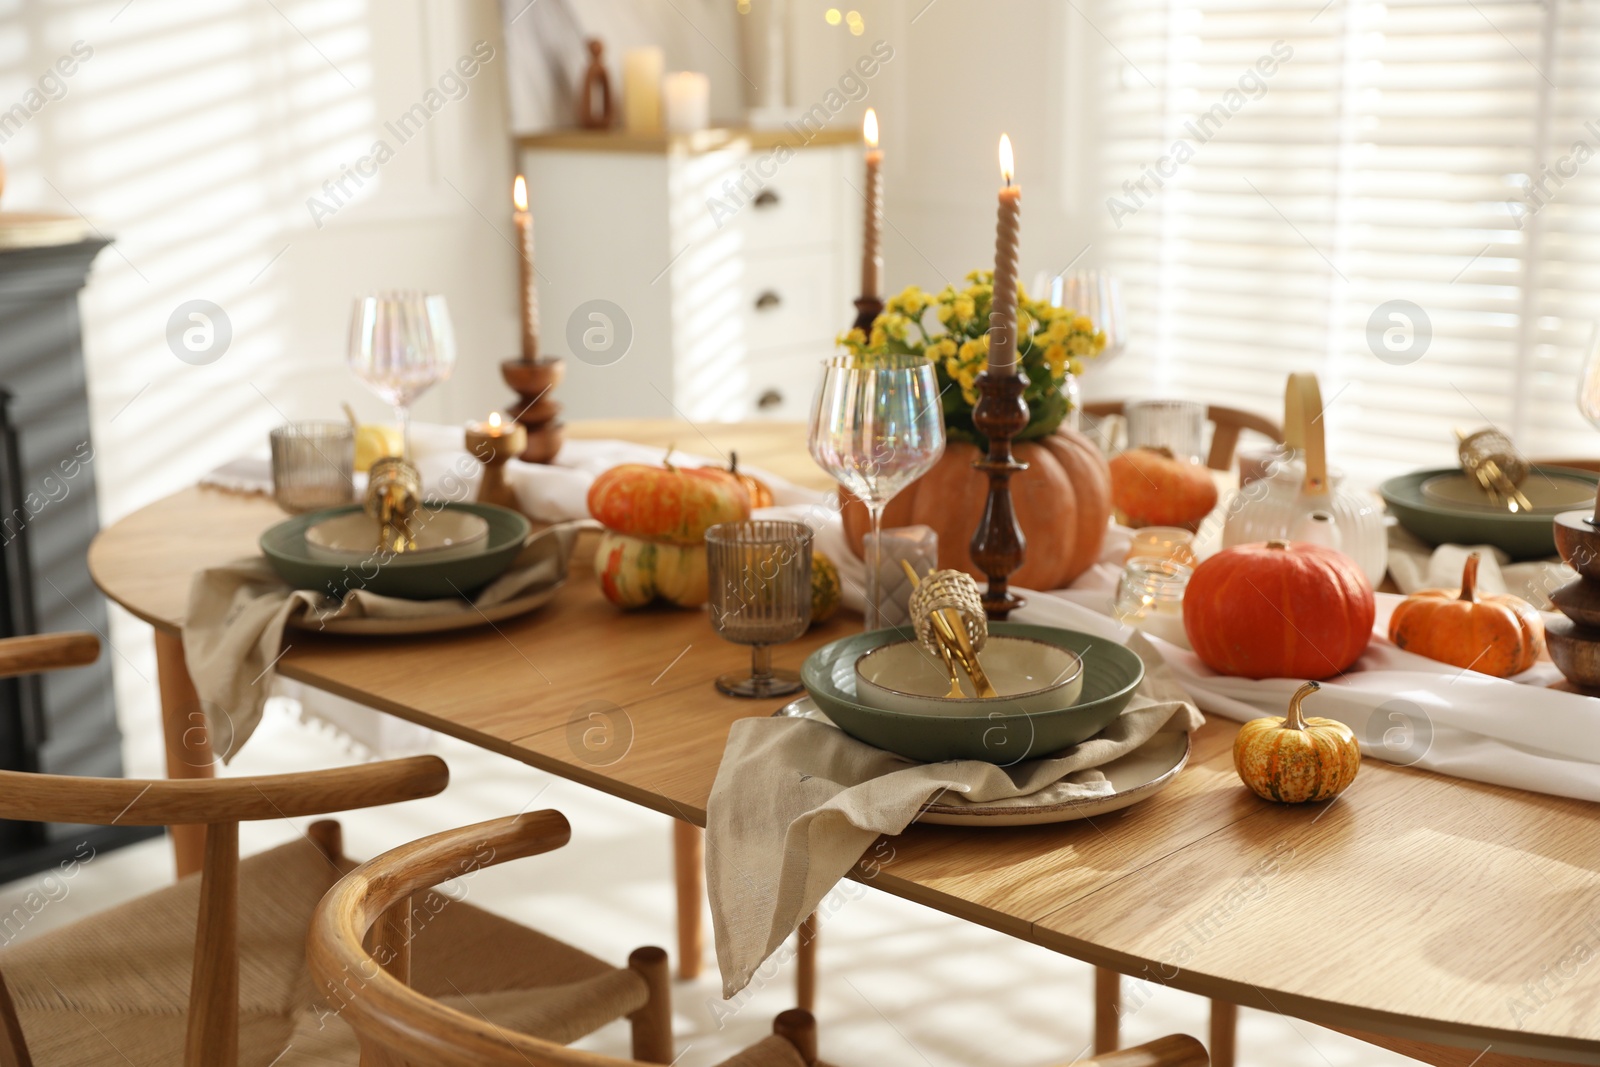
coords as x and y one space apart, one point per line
1097 295
876 427
1589 381
401 343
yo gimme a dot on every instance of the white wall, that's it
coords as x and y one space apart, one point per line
194 134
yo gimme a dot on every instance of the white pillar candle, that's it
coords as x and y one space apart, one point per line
687 98
641 89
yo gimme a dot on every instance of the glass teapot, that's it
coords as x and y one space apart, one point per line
1301 496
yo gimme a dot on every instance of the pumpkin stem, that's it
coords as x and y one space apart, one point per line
733 463
1278 544
1163 450
1294 720
1469 579
666 460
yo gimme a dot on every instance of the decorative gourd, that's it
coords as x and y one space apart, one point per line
758 491
1293 759
1498 635
1279 610
634 572
1062 501
1152 487
676 505
826 589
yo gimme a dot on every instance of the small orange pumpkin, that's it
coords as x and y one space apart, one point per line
672 505
1152 487
1292 759
1498 635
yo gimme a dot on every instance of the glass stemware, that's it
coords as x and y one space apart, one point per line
759 578
1589 381
401 344
876 427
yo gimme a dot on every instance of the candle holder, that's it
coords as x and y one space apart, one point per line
998 546
868 308
535 410
493 450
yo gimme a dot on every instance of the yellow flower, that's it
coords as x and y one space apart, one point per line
1056 357
851 338
895 325
965 307
879 337
975 350
1058 330
911 301
945 313
1082 324
941 350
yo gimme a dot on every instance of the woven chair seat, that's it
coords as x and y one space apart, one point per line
113 988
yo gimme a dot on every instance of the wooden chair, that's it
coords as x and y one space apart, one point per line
398 1026
212 970
1227 424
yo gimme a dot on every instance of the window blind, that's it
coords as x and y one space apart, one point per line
1401 196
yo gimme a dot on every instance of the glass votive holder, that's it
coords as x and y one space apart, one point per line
1172 543
1178 425
916 545
1150 598
313 465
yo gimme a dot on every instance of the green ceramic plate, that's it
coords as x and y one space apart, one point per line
284 545
1527 536
1110 675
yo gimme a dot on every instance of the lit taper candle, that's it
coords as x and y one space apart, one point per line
527 293
872 231
1003 311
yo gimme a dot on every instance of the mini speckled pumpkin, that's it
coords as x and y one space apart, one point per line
826 591
1292 759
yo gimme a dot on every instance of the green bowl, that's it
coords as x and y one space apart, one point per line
1110 675
415 578
1526 536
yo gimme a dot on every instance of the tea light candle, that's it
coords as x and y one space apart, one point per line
641 89
494 442
687 100
918 546
1150 599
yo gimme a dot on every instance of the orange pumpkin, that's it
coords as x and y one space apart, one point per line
666 503
1152 487
1062 501
758 491
1498 635
1279 610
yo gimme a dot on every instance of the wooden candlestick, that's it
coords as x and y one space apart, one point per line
868 308
998 546
493 450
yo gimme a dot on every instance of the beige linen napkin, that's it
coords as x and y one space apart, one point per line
797 802
233 632
1417 565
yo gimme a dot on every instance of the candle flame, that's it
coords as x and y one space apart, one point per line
1008 165
494 416
519 193
869 128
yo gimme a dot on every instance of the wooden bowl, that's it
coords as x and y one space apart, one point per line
1578 541
1575 650
531 379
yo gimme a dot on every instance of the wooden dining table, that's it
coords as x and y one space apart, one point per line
1443 918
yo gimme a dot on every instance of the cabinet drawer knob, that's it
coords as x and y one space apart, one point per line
768 300
769 399
766 198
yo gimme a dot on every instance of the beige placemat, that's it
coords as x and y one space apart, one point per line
796 803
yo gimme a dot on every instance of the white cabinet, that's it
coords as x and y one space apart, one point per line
704 276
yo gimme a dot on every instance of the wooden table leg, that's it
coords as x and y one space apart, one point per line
1224 1031
689 863
188 743
1107 1008
805 973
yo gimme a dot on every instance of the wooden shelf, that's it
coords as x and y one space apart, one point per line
684 143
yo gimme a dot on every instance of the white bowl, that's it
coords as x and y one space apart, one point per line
1029 676
441 534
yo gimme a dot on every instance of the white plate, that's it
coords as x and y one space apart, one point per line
465 618
440 534
1140 774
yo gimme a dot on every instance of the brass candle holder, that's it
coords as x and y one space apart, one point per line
998 546
494 445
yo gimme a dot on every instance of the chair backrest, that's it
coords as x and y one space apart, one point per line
218 804
1227 425
399 1027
